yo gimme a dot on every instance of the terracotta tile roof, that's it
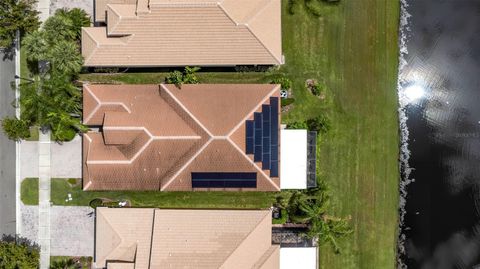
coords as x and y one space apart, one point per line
207 32
153 137
234 239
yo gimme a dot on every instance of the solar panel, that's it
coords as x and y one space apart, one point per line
249 145
274 169
257 117
266 164
224 180
258 137
274 152
257 154
249 128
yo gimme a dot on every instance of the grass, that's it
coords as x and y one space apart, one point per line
62 187
352 49
29 191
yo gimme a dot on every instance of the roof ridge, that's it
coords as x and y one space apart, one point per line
245 237
263 44
185 165
264 258
197 121
116 233
268 95
251 17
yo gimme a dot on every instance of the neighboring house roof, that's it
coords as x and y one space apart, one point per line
153 137
184 32
161 238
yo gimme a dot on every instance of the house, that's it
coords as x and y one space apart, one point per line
148 238
148 33
197 137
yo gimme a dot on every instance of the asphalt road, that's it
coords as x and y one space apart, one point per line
7 149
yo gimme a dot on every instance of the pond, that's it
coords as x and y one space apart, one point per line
439 91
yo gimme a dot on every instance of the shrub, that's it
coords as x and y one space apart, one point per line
96 203
285 83
297 125
72 181
175 77
18 253
316 90
292 6
187 77
320 124
15 129
287 101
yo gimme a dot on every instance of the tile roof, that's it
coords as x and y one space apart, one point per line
153 137
184 32
234 239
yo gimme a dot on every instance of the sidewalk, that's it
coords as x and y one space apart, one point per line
44 199
43 6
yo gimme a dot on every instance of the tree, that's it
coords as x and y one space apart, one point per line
17 15
58 28
65 57
79 19
16 253
36 46
311 207
15 129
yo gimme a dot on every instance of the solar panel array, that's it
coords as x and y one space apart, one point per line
262 137
224 180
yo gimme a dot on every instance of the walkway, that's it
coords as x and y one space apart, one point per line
43 6
44 199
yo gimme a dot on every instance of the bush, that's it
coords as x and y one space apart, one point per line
175 77
187 77
287 101
18 253
320 124
72 181
15 129
316 90
285 83
292 6
96 203
297 125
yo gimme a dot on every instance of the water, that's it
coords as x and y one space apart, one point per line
439 90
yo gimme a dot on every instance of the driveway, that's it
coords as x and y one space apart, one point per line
7 150
66 159
71 229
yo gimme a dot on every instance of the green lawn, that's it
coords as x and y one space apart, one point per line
352 49
29 191
61 188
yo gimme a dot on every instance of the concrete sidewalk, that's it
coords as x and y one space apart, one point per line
44 177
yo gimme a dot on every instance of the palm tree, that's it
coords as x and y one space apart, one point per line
65 57
58 28
35 46
311 207
79 19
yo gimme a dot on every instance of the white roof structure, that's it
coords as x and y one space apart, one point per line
301 257
293 156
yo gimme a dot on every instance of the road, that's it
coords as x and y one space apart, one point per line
7 149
